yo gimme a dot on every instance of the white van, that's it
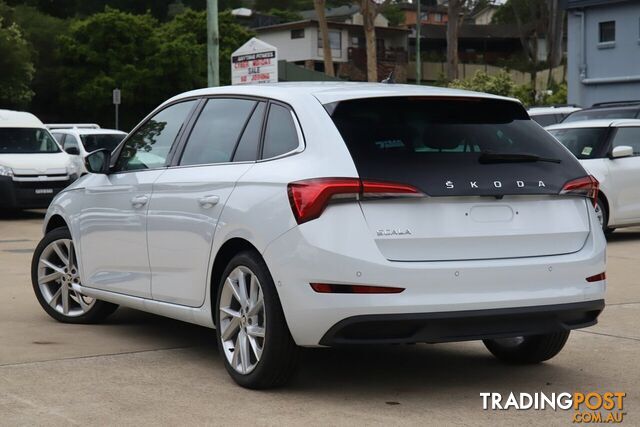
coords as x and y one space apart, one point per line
33 166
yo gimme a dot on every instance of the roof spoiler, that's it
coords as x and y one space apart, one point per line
72 126
616 103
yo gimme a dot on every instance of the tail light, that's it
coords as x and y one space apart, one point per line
327 288
310 197
586 186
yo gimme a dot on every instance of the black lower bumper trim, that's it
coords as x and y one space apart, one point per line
462 325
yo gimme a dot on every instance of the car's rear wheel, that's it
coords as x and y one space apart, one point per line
603 215
253 336
54 272
529 349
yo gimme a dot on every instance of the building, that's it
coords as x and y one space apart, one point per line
300 43
484 16
430 14
603 51
348 14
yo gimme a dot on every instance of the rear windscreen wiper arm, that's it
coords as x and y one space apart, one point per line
487 158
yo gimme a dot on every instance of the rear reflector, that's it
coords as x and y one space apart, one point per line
586 186
327 288
597 277
309 198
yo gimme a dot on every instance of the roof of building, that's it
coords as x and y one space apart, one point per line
328 92
332 12
313 23
19 119
575 4
600 123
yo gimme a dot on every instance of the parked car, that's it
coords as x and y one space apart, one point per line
607 110
306 214
610 151
551 115
33 167
86 137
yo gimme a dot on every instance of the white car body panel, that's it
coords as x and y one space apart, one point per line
341 246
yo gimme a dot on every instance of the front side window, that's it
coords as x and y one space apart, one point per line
584 143
280 135
217 131
629 136
607 32
26 140
70 141
149 146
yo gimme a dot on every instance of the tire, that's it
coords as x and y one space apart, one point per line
527 350
603 215
51 282
268 361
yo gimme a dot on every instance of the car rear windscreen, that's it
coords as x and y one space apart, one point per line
453 146
584 143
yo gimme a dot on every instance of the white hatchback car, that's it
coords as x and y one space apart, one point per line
610 151
330 214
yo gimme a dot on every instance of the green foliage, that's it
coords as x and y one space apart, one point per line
557 95
285 15
499 84
16 67
393 13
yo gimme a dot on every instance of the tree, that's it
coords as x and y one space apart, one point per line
319 6
16 68
453 27
369 10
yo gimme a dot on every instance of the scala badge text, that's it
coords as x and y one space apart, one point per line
591 407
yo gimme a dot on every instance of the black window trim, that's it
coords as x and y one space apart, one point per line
181 144
172 150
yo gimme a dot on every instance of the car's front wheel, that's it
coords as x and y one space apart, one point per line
253 336
54 272
529 349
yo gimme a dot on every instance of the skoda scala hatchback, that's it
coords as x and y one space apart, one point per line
333 214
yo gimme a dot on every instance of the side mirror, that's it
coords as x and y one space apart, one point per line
72 150
98 161
621 151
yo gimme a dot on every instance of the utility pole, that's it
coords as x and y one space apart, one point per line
418 31
213 44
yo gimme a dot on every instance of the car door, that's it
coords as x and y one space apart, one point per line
188 198
625 176
113 222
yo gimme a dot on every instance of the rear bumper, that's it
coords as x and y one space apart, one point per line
29 194
462 325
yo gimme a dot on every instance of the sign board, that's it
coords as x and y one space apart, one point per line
254 62
116 97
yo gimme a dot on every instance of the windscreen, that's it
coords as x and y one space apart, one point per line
26 140
584 143
95 142
453 146
602 113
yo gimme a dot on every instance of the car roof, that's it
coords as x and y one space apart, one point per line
83 131
535 111
328 92
599 123
19 119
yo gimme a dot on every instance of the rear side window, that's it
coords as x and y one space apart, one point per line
629 136
280 134
455 146
217 131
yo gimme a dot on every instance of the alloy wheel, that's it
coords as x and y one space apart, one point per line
600 215
57 273
242 320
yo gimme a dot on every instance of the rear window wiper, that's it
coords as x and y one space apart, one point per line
488 158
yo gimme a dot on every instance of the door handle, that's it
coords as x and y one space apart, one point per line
208 202
139 201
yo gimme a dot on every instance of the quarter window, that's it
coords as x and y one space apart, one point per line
628 136
149 146
280 135
250 142
607 32
216 133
